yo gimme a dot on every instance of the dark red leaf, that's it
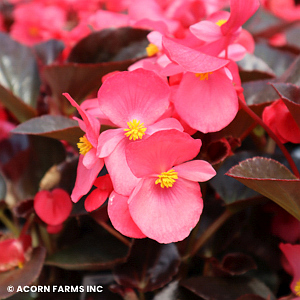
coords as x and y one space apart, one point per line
149 266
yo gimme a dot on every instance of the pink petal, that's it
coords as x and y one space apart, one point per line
240 12
196 170
130 95
192 60
120 217
160 152
166 215
95 199
165 124
108 140
85 178
92 124
121 176
206 31
90 158
292 253
53 207
215 109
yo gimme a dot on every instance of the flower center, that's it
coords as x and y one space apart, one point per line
297 288
33 31
135 130
152 49
221 22
167 179
203 76
84 145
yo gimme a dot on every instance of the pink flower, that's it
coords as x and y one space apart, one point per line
222 29
280 120
134 101
53 207
292 253
166 204
89 164
14 252
206 88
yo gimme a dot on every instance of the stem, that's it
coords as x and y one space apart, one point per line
9 224
114 233
209 232
257 119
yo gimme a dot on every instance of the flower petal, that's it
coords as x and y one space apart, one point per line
120 217
165 124
196 170
160 152
217 94
166 215
130 95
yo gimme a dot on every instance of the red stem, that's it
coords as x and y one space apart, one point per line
257 119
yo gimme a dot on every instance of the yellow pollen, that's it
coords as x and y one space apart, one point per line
203 76
20 265
152 49
33 31
297 288
221 22
167 179
135 130
84 145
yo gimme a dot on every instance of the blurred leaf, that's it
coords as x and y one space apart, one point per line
57 127
174 292
226 288
254 68
290 94
48 51
292 74
277 60
2 188
24 276
114 44
292 37
251 297
79 79
271 179
149 266
16 106
18 70
91 252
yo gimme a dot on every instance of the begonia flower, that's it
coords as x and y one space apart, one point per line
14 252
89 164
53 207
292 254
280 120
131 102
222 28
206 88
166 204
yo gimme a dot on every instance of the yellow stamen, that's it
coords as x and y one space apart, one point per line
84 145
203 76
33 31
167 179
221 22
20 265
297 288
152 49
135 130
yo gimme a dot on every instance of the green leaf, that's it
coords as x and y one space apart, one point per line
2 188
57 127
24 276
19 70
271 179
